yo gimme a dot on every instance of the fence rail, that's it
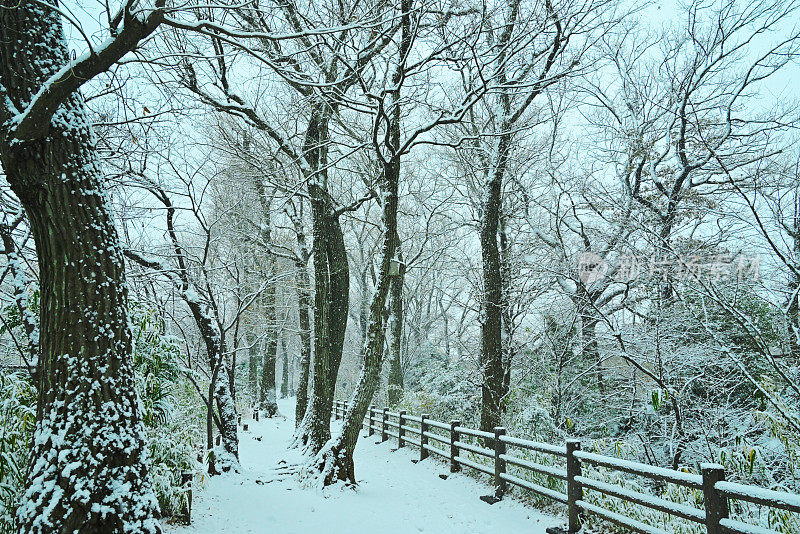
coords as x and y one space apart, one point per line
493 446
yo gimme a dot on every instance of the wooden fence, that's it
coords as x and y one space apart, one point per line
451 441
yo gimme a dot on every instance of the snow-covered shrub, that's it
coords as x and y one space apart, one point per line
744 464
168 408
171 450
17 421
444 393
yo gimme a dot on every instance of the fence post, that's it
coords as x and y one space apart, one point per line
400 431
574 489
423 439
255 415
454 436
384 418
499 463
370 431
186 506
716 503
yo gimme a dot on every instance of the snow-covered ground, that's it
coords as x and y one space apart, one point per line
394 495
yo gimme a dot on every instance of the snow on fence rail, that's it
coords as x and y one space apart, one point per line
455 444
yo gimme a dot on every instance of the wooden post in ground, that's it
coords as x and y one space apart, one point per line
423 439
370 430
400 432
185 515
574 489
716 503
455 467
384 418
499 462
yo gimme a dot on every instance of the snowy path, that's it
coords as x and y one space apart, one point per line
394 495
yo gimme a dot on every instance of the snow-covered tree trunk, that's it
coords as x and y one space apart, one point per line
395 379
267 398
252 366
284 369
88 471
492 298
220 388
334 462
303 305
331 289
509 350
331 297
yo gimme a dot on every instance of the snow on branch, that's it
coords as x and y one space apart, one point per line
33 122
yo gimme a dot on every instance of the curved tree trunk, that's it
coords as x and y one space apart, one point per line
88 470
220 389
334 462
331 288
331 296
206 318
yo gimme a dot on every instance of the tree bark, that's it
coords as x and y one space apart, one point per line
252 366
395 379
303 305
220 389
206 317
268 397
508 318
334 462
492 387
331 289
492 302
331 296
88 469
284 370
